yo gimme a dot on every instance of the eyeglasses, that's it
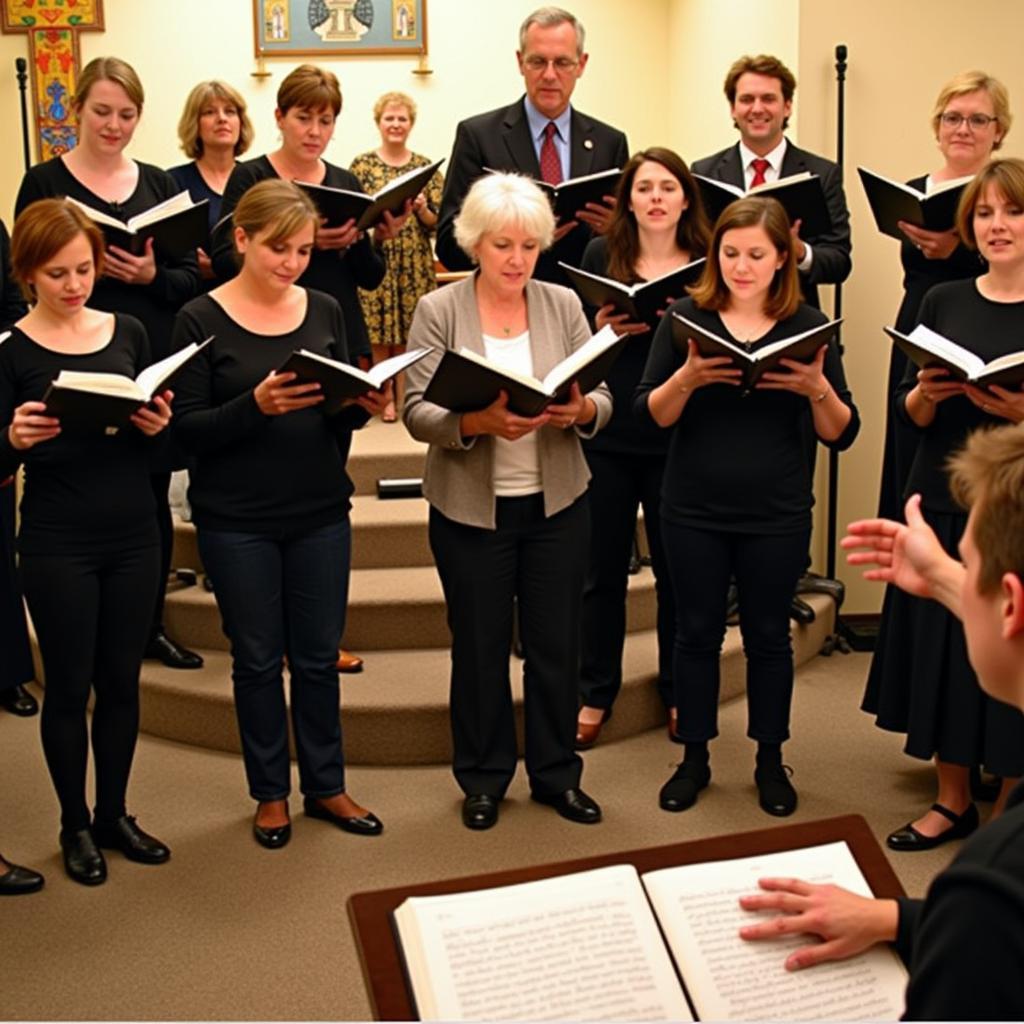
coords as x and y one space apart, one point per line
563 65
976 122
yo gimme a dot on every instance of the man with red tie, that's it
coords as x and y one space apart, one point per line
760 93
540 135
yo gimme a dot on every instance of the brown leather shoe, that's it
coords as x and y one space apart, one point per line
348 662
588 732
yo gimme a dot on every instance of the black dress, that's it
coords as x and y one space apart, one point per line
921 682
333 271
919 275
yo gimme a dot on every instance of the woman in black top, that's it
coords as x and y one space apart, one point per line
658 226
88 543
970 119
737 493
270 500
308 104
108 104
920 681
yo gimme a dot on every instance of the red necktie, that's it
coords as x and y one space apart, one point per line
550 165
760 165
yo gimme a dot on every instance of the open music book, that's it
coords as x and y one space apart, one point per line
643 301
892 201
106 401
465 381
177 226
611 944
574 193
341 382
928 348
802 347
801 195
339 205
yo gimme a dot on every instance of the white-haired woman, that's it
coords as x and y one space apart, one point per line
508 517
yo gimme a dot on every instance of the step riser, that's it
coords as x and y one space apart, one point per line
366 470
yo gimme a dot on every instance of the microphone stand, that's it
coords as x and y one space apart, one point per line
21 72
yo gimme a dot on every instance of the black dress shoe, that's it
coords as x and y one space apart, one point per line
126 836
480 811
162 648
19 881
680 792
908 839
83 861
272 838
366 825
572 804
775 793
19 701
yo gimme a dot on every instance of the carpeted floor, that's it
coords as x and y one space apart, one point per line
228 930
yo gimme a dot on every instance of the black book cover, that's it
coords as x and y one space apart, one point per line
891 202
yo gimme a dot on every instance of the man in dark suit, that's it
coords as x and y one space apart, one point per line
760 93
551 60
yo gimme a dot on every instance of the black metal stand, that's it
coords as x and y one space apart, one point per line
21 72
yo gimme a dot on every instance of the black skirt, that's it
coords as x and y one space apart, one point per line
922 684
15 654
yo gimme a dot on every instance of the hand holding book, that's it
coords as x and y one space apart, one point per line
699 370
31 426
153 418
278 394
618 322
997 401
122 266
807 379
499 421
933 245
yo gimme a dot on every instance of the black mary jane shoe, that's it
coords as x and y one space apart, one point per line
775 793
83 860
908 839
480 811
18 701
163 649
125 836
364 825
19 881
572 804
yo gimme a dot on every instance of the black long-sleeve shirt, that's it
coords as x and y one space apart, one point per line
83 490
739 463
176 281
255 473
336 272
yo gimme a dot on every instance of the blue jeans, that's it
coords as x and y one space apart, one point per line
284 595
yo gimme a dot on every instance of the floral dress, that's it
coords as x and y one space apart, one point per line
388 310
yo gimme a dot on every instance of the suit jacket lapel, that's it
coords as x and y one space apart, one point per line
516 136
581 145
730 168
792 161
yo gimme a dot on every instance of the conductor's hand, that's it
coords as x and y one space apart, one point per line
342 237
598 216
619 322
908 556
153 418
698 372
375 402
30 426
807 379
576 409
848 924
933 245
997 401
277 394
497 420
122 266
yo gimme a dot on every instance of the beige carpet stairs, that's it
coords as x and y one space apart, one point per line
395 711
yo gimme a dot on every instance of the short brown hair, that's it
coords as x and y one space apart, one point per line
762 64
311 88
199 97
108 69
277 206
42 229
711 291
394 99
967 82
692 231
1007 175
988 474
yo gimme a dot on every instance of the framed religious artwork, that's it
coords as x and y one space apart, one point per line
339 28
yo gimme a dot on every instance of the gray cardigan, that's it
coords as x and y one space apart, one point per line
458 480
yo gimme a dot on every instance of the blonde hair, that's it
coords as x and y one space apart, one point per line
108 69
42 229
497 201
277 207
311 88
199 97
967 82
394 99
1007 175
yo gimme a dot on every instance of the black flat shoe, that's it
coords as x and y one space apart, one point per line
125 836
908 839
19 881
480 811
680 792
19 701
572 804
162 648
775 793
83 861
272 838
366 825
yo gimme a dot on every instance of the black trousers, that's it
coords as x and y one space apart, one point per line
540 563
620 483
15 654
161 483
766 569
92 616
